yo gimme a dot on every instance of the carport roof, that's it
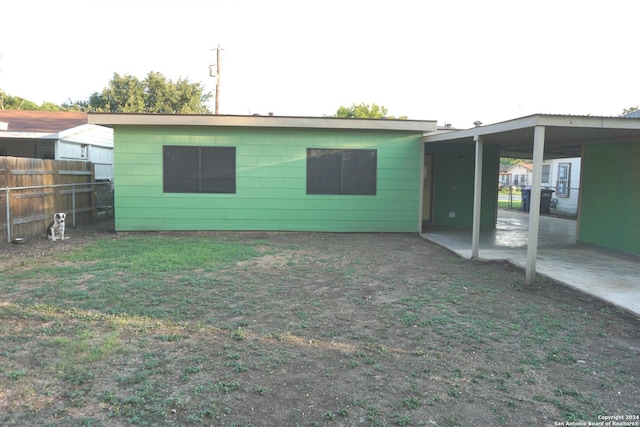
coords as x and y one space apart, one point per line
564 134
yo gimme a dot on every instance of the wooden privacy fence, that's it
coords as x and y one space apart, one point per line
32 190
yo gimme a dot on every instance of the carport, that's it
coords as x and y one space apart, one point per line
609 275
612 146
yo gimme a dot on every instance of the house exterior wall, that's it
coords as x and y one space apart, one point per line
33 148
504 178
518 175
270 181
101 157
566 204
454 181
89 143
610 205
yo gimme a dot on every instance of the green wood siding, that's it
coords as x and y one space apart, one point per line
270 182
453 182
610 199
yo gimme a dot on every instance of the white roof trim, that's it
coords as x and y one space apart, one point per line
77 129
65 134
538 120
28 135
117 119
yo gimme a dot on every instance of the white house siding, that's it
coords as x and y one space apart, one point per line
525 175
102 158
90 143
518 175
566 205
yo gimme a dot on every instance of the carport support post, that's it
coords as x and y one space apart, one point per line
534 204
477 199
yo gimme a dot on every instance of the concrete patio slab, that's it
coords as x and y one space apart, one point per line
606 274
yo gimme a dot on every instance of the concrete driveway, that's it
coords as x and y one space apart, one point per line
606 274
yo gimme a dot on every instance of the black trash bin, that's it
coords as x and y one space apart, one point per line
545 200
526 199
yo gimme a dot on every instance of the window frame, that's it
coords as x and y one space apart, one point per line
563 185
191 174
342 172
546 174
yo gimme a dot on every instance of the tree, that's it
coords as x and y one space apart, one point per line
364 111
49 106
154 94
8 102
124 94
508 161
629 110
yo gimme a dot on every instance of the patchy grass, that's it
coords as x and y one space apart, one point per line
514 204
241 329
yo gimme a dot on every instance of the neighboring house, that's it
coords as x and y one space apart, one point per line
518 174
59 136
504 177
521 174
560 175
565 182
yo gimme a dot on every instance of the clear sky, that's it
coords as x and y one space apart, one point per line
454 61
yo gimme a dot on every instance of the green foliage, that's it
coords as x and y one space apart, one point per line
629 110
49 106
504 161
154 94
365 111
128 94
504 204
150 254
8 102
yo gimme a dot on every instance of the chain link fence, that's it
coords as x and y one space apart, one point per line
565 204
27 211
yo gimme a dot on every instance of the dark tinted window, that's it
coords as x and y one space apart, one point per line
199 169
348 172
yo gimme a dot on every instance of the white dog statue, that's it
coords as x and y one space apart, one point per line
56 227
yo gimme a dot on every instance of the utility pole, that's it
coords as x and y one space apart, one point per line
217 76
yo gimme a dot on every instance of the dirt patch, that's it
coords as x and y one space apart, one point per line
318 329
40 247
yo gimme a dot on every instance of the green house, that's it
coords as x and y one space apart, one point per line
205 172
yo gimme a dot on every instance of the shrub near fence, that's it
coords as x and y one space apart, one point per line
32 190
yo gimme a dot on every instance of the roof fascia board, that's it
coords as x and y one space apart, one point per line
590 122
76 129
537 120
50 135
29 135
521 123
260 121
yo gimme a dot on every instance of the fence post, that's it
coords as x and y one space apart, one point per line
73 202
94 199
8 215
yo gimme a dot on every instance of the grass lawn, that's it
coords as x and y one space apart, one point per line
308 329
515 204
